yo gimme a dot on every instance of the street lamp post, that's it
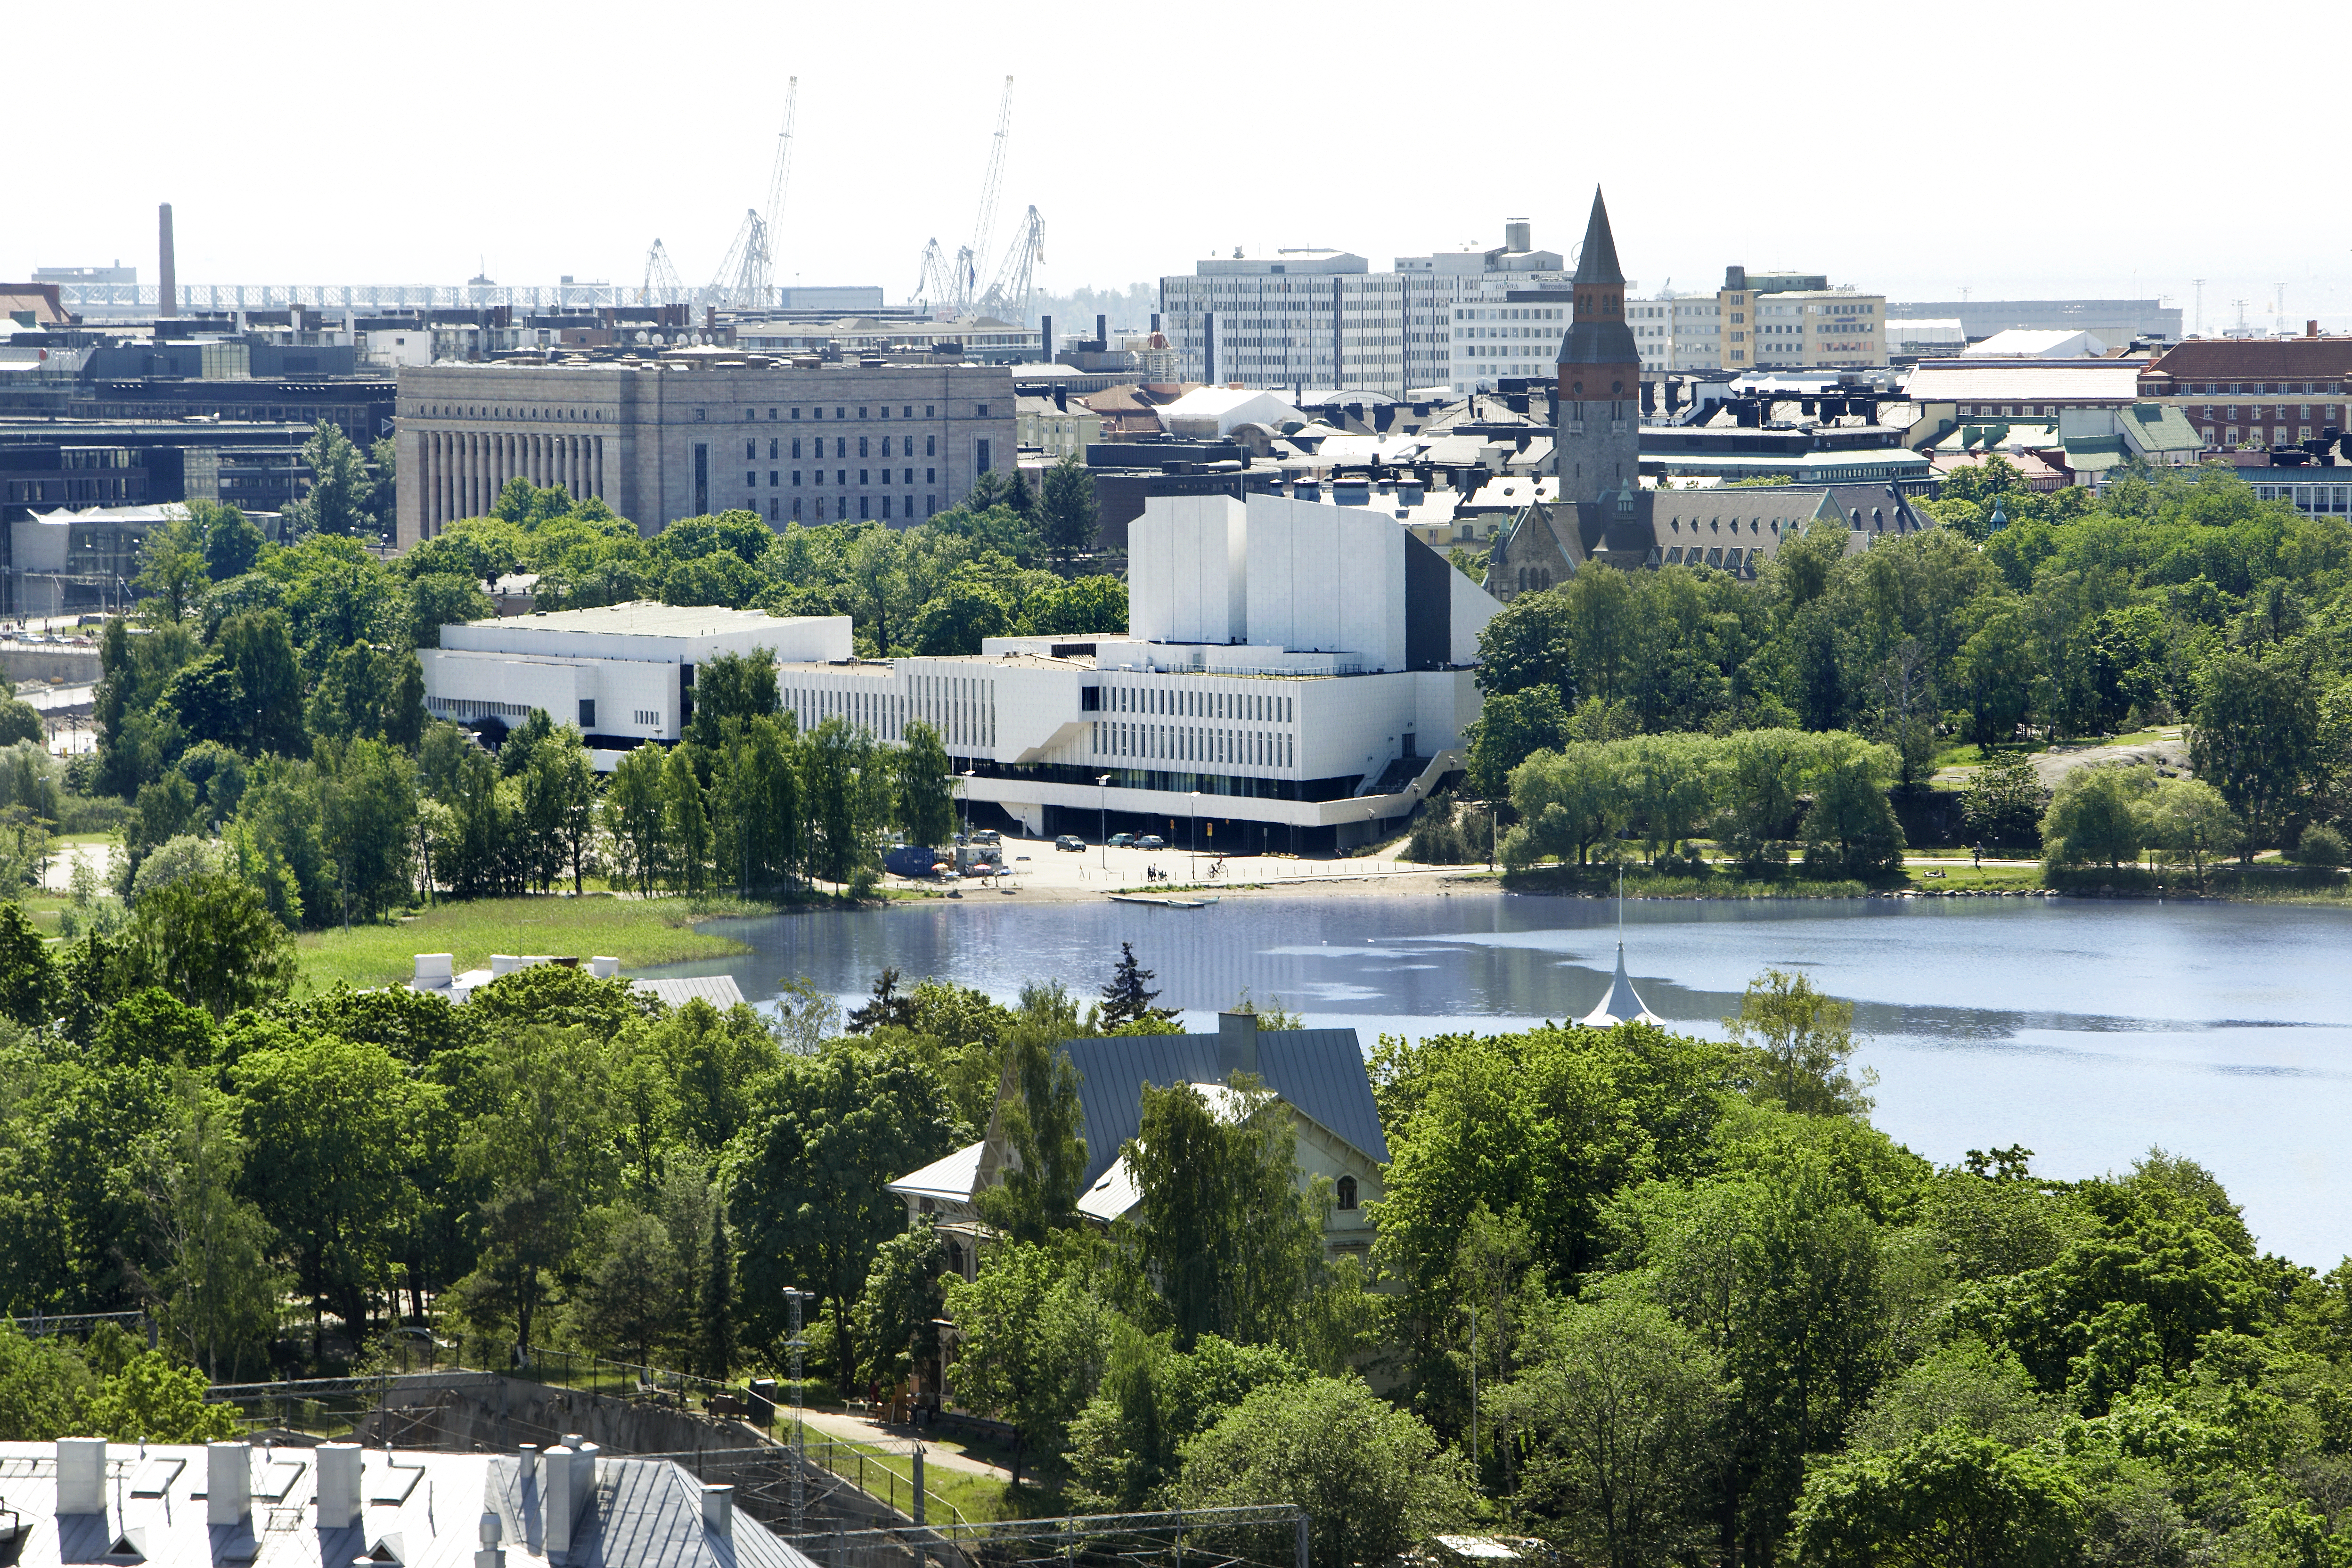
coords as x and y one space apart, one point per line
967 778
1102 815
1193 800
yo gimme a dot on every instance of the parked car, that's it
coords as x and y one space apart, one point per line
1122 840
988 836
1151 841
1072 842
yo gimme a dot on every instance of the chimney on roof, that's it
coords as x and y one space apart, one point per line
81 1475
228 1483
339 1486
1237 1042
718 1511
1102 334
1045 340
2310 327
434 971
167 292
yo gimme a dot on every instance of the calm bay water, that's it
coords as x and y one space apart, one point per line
2086 1031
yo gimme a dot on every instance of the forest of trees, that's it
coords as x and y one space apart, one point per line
262 714
1654 1299
2173 597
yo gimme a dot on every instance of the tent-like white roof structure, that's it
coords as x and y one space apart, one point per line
1621 1006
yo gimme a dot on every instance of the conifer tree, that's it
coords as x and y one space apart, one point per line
1125 999
717 1326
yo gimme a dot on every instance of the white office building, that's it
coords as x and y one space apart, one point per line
1294 673
1676 331
1324 319
624 673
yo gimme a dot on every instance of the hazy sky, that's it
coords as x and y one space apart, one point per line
2051 149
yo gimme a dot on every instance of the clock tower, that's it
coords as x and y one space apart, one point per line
1598 438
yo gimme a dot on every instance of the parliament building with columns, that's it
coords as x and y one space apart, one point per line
699 431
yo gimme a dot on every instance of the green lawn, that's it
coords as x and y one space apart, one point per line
638 931
881 1473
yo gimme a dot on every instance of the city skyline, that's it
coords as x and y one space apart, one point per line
542 163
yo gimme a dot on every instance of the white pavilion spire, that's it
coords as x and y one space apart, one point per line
1622 1005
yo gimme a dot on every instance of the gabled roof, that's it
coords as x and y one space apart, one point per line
951 1177
1320 1071
2161 427
719 990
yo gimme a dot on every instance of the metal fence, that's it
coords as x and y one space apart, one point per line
1272 1535
843 1481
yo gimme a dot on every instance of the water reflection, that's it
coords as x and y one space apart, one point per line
2085 1030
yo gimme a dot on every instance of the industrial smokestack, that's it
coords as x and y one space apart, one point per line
1045 340
1102 334
167 293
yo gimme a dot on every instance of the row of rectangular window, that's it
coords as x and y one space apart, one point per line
840 447
1260 706
840 511
840 477
841 411
1187 743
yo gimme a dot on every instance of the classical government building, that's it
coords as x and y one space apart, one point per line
702 430
1294 674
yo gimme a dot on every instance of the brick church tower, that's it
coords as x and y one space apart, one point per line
1599 421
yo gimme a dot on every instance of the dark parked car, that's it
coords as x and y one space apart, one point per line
1122 840
1070 841
1151 841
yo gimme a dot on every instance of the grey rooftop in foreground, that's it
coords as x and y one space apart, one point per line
231 1505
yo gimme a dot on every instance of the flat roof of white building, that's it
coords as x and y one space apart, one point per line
643 617
643 629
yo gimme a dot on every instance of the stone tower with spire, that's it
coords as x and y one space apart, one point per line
1598 429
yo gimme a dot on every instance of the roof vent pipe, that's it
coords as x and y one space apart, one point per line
527 1464
228 1483
81 1475
491 1529
339 1486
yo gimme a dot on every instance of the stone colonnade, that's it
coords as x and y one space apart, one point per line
465 471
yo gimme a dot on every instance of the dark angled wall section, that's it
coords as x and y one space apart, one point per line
1428 606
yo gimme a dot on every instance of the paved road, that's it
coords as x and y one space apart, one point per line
859 1429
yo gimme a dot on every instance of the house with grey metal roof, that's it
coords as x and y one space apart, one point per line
1317 1075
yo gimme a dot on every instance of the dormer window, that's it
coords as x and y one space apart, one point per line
1344 1193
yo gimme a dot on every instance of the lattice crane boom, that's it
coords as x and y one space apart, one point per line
1008 298
745 260
662 285
780 180
932 286
983 227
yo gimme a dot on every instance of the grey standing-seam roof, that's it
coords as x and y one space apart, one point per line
1320 1071
719 990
